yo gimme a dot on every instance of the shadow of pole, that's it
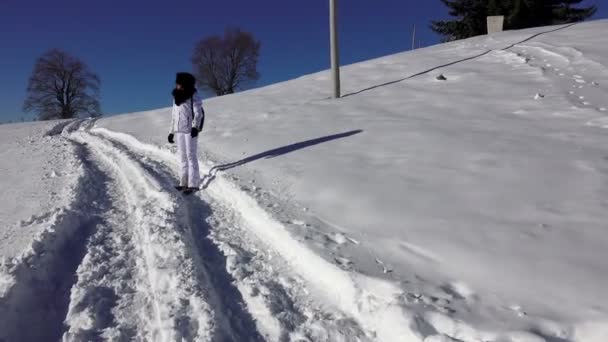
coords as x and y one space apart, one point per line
210 176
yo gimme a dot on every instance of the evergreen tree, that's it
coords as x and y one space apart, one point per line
470 15
498 7
471 20
564 13
519 17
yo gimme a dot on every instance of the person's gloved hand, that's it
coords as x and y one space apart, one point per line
170 138
194 132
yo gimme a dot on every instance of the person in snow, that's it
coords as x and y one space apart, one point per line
187 118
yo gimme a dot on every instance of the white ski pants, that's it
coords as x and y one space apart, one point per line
186 148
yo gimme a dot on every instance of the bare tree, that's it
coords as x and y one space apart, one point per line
226 64
62 87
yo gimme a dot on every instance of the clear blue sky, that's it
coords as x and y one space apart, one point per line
136 46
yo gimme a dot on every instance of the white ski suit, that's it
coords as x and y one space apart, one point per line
184 117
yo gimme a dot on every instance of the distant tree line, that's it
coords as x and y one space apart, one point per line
470 15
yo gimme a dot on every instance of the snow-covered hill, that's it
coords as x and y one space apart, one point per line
472 208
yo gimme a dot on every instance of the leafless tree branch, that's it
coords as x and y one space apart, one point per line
226 64
62 87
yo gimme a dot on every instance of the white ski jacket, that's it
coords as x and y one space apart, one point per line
182 117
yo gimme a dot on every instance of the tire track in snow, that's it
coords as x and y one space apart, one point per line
282 290
104 300
34 308
294 294
341 304
232 322
274 296
229 321
175 306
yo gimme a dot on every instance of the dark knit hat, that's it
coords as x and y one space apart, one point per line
185 79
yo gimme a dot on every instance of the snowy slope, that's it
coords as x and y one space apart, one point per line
412 209
34 171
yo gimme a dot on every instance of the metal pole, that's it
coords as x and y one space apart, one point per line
335 56
414 37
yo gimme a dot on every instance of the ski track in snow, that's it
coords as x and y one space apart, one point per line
132 259
294 294
178 301
141 262
277 300
36 301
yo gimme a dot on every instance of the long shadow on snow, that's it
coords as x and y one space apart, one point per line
208 178
35 307
238 321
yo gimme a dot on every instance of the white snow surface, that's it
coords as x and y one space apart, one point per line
470 208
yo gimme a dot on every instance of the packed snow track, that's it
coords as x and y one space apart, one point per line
133 259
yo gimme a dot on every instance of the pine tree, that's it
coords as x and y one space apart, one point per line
519 16
497 7
471 19
563 12
470 15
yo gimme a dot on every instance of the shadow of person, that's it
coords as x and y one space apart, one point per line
210 176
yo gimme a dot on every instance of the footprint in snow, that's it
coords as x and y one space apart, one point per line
520 112
336 238
518 310
385 268
38 219
344 263
299 223
459 290
353 241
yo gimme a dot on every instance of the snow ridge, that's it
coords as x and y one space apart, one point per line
41 278
175 306
378 307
